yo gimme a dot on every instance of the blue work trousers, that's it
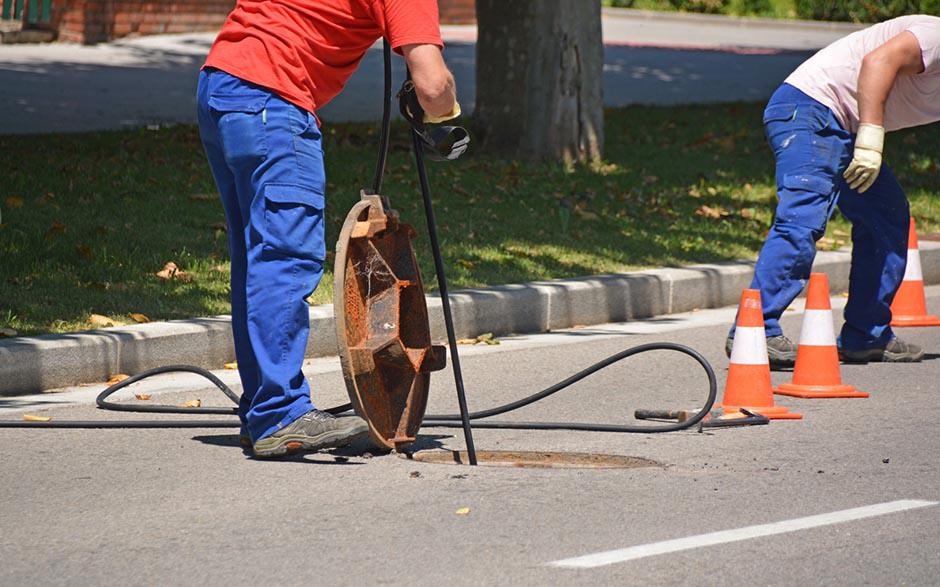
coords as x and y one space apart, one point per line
267 160
812 150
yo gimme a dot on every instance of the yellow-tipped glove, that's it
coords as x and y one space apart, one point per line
454 113
866 161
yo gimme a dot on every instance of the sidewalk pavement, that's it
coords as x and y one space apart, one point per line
650 58
34 364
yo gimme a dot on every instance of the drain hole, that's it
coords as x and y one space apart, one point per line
535 459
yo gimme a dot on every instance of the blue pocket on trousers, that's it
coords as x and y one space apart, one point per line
240 119
293 221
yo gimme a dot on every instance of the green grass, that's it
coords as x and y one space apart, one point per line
762 8
87 219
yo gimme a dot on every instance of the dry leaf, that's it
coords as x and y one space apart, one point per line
172 271
117 378
101 321
8 332
709 212
202 198
231 366
84 251
14 202
467 341
193 403
462 511
56 229
140 318
142 396
31 418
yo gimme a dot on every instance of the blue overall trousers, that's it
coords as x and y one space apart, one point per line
812 150
267 160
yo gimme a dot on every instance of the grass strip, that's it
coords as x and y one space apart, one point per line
89 219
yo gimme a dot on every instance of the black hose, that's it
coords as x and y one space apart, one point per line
430 421
386 120
454 420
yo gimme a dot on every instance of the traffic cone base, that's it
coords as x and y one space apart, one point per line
769 412
928 320
820 391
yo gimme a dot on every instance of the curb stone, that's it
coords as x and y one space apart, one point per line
35 364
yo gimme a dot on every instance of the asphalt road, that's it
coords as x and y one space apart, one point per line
152 80
188 506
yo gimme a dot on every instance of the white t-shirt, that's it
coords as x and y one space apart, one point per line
831 75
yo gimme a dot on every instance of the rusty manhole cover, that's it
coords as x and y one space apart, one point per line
535 459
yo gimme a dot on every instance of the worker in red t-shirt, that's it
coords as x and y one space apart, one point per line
274 63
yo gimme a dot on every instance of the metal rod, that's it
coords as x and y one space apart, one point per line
445 300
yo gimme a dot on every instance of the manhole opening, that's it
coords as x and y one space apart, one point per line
535 459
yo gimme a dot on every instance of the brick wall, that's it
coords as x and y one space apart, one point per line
92 21
458 11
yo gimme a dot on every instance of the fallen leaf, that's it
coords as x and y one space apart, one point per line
117 378
488 338
193 403
102 321
14 202
462 511
467 341
231 366
466 264
203 197
709 212
140 318
414 474
172 271
747 213
84 251
4 332
31 418
56 229
142 396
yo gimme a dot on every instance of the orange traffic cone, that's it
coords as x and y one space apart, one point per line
910 305
817 360
748 384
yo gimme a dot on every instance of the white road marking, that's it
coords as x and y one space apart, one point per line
610 557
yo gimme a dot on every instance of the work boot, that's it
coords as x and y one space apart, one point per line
896 351
781 352
313 431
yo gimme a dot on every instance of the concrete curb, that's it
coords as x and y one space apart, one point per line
739 21
34 364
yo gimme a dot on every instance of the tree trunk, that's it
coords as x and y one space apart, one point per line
539 68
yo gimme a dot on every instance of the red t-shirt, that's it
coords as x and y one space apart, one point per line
305 50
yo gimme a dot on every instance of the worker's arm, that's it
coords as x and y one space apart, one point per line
899 56
434 83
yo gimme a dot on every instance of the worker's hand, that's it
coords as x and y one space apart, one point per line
454 113
866 161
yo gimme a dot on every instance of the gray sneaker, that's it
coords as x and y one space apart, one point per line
781 351
313 431
896 351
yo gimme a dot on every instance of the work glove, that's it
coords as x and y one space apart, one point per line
866 161
441 143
